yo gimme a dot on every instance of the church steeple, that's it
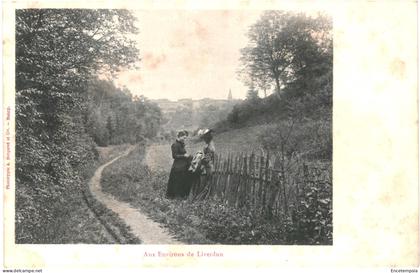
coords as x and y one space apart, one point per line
230 95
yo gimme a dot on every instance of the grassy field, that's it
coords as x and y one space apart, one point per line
240 140
158 156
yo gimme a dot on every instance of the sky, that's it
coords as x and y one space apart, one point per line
189 54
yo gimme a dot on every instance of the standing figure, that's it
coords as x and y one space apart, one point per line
209 151
179 183
202 172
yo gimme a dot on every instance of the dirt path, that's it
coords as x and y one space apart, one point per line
148 231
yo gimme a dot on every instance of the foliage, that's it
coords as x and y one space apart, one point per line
115 117
310 139
57 51
183 116
75 225
284 46
72 42
210 114
312 216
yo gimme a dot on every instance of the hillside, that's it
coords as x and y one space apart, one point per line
191 114
245 140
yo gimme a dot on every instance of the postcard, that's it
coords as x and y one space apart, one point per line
213 134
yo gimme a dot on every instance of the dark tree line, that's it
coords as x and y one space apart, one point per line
58 52
114 116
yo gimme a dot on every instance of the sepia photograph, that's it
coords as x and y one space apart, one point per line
212 135
173 127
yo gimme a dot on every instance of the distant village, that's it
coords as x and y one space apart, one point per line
191 114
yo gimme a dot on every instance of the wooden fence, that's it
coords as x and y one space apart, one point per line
263 184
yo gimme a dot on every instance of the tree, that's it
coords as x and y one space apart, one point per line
57 51
73 42
252 94
281 44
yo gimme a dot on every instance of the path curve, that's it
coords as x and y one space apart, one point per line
148 231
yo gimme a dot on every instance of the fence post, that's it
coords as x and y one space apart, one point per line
251 182
241 186
220 176
262 181
269 187
216 179
277 183
233 177
237 175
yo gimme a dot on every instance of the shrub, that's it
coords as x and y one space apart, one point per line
312 139
312 217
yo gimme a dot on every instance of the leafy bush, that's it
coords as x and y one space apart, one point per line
312 139
312 218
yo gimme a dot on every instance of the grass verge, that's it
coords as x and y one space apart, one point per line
88 221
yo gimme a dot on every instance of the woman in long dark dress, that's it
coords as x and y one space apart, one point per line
179 182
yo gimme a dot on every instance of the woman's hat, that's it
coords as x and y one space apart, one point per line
203 132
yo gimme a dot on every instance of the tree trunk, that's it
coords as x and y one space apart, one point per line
277 86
